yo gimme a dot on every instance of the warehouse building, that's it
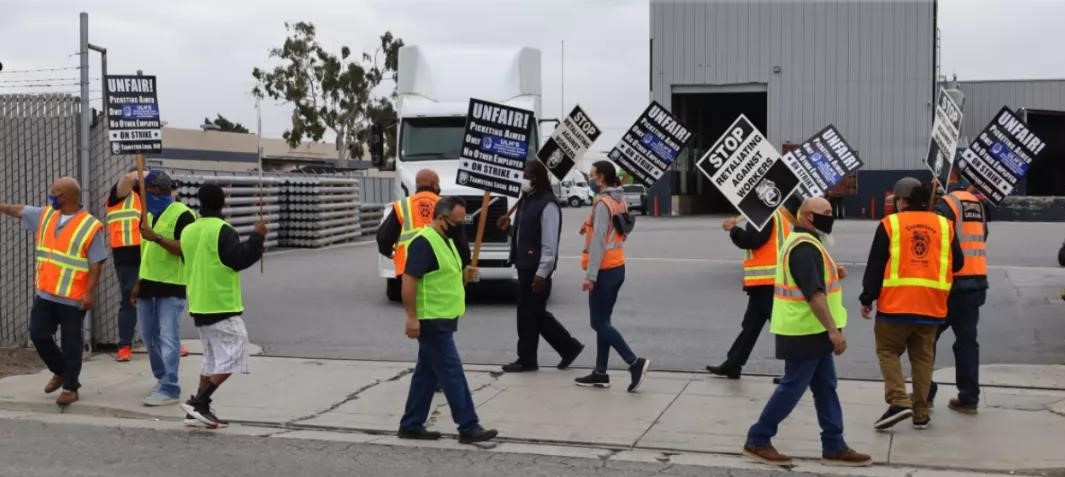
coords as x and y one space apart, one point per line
794 67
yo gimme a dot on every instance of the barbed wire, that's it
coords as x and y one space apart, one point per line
50 85
36 70
43 80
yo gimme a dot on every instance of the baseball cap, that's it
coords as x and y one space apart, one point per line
905 187
158 179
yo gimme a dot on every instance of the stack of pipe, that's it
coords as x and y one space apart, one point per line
247 199
370 217
320 211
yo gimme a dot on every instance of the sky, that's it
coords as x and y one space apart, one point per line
203 52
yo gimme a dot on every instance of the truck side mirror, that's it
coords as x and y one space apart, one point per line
377 145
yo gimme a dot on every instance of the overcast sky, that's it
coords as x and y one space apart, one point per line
203 51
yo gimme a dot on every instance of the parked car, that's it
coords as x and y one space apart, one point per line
636 197
575 193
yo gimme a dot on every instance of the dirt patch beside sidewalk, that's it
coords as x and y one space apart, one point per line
19 361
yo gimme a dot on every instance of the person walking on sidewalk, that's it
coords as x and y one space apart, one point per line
70 251
160 290
909 273
124 211
214 257
603 260
968 293
534 253
808 321
434 297
759 266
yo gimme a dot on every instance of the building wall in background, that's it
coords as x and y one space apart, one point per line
983 99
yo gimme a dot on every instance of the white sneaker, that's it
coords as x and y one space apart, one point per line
157 399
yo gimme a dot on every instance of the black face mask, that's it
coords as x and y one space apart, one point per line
823 223
450 229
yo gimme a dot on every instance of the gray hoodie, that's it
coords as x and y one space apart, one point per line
600 227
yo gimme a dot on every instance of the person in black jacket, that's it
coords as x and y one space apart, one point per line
534 252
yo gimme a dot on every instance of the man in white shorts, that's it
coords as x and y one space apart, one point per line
214 257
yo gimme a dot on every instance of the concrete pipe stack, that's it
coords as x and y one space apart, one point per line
247 200
320 211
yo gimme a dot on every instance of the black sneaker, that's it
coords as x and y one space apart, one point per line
894 415
638 371
777 379
192 421
420 433
595 380
479 435
517 367
201 412
724 371
567 360
922 425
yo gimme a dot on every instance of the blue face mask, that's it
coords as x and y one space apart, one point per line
157 203
53 200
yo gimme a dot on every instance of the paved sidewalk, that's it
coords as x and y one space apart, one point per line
1018 429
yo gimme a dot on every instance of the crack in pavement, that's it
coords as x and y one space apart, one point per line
435 412
350 397
663 413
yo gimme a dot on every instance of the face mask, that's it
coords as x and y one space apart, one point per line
823 223
526 186
157 203
53 200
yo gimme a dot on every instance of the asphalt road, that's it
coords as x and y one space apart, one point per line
681 304
34 449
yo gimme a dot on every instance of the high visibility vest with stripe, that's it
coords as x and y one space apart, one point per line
970 227
792 315
124 222
413 213
917 277
63 260
212 286
614 252
760 264
439 293
157 263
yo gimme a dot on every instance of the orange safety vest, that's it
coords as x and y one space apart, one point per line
63 260
760 264
413 213
124 222
970 228
917 277
614 255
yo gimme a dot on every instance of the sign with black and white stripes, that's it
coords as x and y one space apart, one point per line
747 169
649 147
1000 156
821 162
132 103
568 143
494 148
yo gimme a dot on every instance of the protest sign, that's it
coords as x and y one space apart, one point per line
946 128
1000 156
649 147
821 162
568 143
495 147
133 123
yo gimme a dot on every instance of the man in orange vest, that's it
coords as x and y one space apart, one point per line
759 269
70 250
969 217
124 210
909 274
408 216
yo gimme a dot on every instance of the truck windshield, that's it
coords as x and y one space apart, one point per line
428 139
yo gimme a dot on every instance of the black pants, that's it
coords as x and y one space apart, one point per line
47 316
127 313
963 315
759 308
534 321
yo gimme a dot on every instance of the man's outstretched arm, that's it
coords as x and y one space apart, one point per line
13 210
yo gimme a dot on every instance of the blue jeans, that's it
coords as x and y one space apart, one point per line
160 321
439 363
127 313
963 315
600 306
818 374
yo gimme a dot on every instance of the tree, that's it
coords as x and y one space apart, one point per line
226 125
331 93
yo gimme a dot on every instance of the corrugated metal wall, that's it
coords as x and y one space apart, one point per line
865 66
983 99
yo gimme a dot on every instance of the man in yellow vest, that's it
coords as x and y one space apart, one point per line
124 210
160 290
434 298
759 266
70 250
214 257
909 273
808 321
968 293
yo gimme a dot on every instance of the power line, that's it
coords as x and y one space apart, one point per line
35 70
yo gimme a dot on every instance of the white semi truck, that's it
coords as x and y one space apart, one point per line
434 88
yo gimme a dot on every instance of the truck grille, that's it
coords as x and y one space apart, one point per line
496 209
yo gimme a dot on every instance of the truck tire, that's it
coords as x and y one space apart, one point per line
575 202
392 289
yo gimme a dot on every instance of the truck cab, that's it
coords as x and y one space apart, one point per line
434 88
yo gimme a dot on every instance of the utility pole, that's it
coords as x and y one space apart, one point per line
83 147
562 104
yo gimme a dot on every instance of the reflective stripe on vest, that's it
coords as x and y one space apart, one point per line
792 315
124 221
970 233
63 261
440 293
411 222
614 248
759 265
212 287
917 278
157 263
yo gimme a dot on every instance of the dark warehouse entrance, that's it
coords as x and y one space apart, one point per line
708 115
